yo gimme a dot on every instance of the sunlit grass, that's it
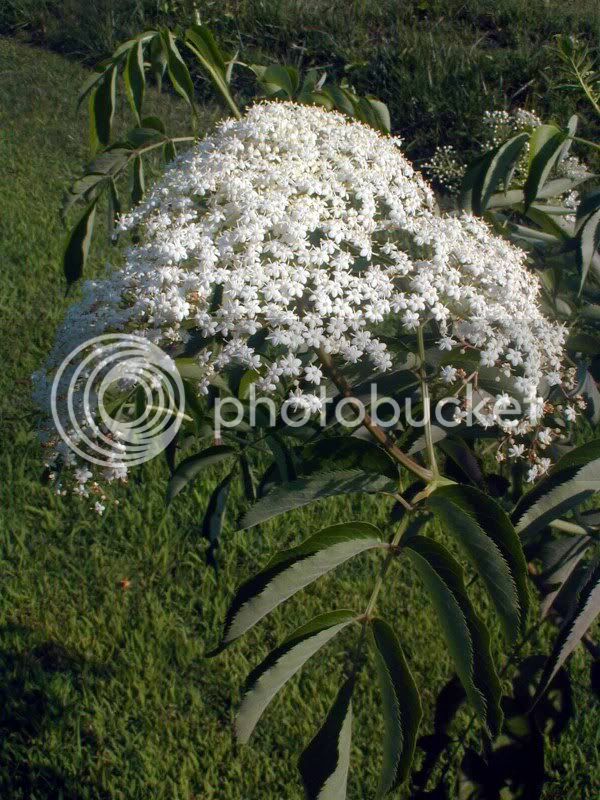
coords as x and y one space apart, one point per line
104 691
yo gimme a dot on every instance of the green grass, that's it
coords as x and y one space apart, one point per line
438 64
104 692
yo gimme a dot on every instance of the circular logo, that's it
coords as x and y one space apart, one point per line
117 399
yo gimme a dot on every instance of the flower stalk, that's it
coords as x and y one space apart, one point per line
378 433
426 406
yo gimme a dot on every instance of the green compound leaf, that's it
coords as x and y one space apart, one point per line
497 171
545 146
488 538
325 762
401 705
291 570
178 71
78 245
467 638
188 469
135 80
585 610
282 663
302 491
102 107
575 478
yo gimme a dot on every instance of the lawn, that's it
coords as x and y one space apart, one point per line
104 622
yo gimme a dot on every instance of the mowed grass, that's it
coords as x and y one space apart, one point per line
438 64
104 689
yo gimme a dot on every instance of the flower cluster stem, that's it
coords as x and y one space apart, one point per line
426 406
367 616
378 433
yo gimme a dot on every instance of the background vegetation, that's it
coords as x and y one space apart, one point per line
103 622
438 64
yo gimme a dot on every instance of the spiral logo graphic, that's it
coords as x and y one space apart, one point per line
121 399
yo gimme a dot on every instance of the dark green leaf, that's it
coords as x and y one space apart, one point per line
201 42
303 491
500 165
291 570
155 123
485 533
281 664
472 183
213 519
347 452
139 137
283 458
178 71
463 458
169 151
571 130
401 705
467 638
158 59
103 106
584 612
381 114
138 188
559 559
92 81
135 81
78 245
276 78
325 762
573 479
114 208
544 149
588 241
588 204
248 479
188 469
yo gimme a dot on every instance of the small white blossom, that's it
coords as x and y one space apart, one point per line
314 229
313 374
448 374
570 414
545 437
532 473
82 475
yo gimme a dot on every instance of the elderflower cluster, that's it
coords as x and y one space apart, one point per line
448 169
500 125
312 229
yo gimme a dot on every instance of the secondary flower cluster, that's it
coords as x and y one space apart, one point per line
448 167
314 229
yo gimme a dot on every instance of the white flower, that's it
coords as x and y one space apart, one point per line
532 473
544 465
313 374
446 343
99 508
82 475
516 450
570 414
448 374
545 437
313 229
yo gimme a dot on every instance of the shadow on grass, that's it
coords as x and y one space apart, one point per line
35 677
